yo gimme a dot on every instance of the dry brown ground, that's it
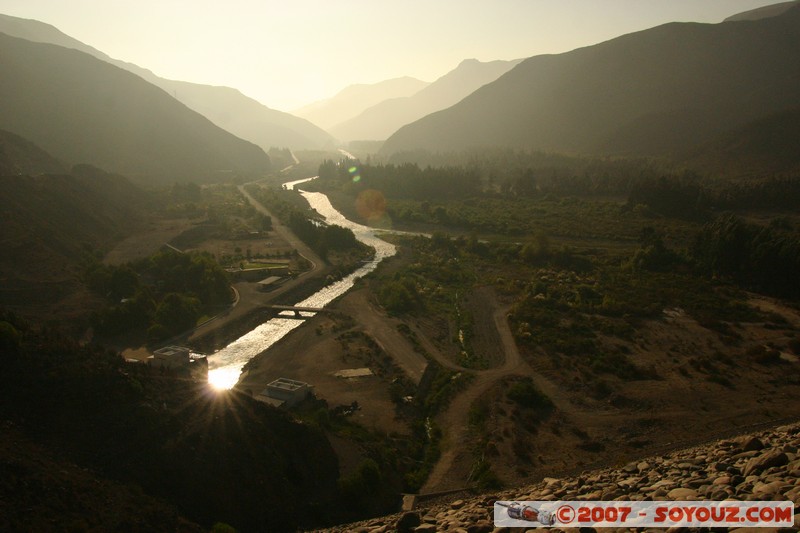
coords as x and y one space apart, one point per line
637 418
683 405
313 353
147 240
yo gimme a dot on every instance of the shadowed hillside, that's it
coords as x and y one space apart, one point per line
50 222
215 457
226 107
651 92
766 146
83 110
19 156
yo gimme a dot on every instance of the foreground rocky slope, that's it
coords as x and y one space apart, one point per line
760 466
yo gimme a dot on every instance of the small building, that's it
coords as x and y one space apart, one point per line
171 357
285 392
269 283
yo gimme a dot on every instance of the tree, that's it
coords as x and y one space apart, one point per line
177 313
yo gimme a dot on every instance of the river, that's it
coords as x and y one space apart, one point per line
225 366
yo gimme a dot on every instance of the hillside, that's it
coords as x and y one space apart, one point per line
765 147
83 110
763 12
224 106
215 457
381 120
652 92
758 466
50 222
354 99
19 156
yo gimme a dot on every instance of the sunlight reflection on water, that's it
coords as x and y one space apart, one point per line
225 366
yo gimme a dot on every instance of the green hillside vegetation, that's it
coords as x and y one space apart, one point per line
163 295
652 92
83 110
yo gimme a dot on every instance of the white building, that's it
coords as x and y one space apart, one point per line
285 392
171 357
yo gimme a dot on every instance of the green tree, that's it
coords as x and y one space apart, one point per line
177 313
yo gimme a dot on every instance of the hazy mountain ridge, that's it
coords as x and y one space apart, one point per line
381 120
84 110
225 106
763 12
655 91
354 99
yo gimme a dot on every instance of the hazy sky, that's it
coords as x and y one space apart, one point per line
289 53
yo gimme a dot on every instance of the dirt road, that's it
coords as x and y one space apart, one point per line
454 422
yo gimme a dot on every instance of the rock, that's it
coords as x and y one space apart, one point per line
682 494
426 528
631 468
765 460
744 455
408 522
752 443
483 526
766 490
457 504
721 467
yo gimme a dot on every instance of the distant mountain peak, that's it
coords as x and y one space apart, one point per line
227 107
763 12
652 92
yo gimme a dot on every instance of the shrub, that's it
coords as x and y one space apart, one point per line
525 393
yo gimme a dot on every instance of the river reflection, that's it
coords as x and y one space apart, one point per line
225 366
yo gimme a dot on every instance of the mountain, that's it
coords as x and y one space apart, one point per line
19 156
226 107
652 92
354 99
83 110
763 12
50 221
247 118
765 147
381 120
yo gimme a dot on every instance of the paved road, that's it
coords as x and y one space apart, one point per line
250 298
285 233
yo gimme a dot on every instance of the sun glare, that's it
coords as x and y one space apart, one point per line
223 378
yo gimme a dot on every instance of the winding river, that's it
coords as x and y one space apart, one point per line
225 366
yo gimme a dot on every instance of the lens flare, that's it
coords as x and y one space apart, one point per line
371 205
355 173
224 378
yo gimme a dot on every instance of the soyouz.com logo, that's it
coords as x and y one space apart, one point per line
664 514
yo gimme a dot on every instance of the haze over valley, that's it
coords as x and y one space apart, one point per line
282 268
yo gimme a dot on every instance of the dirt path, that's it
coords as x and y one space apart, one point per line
383 330
284 232
449 472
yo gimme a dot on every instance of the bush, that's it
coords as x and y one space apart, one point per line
525 393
